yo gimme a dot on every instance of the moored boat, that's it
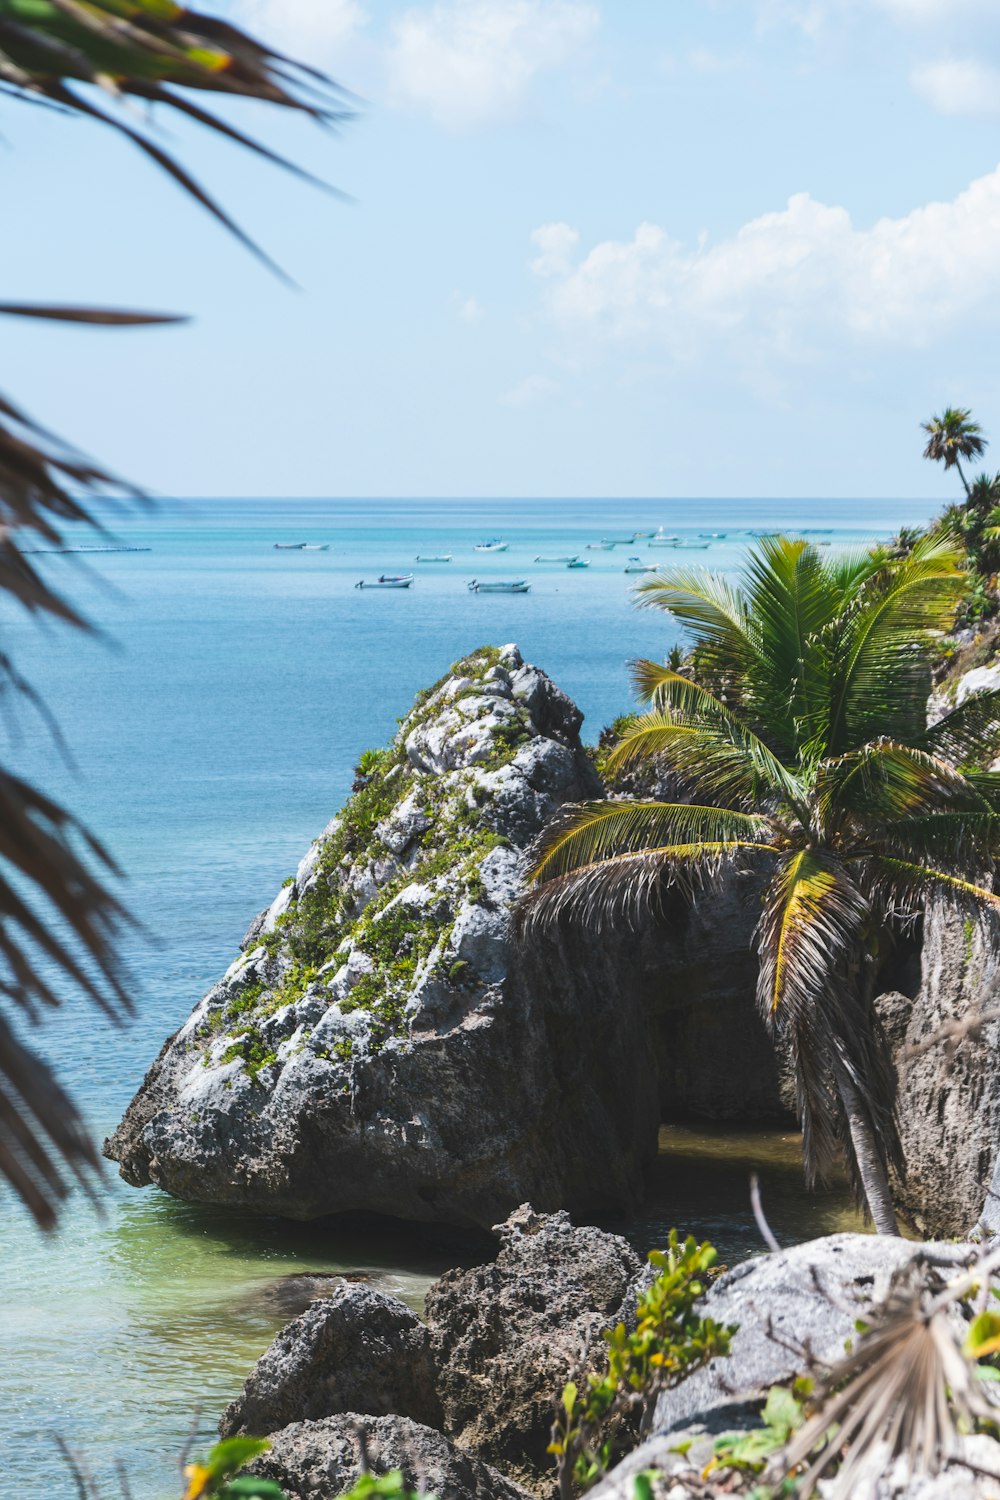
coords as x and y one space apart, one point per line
315 547
387 581
578 562
437 557
570 558
515 586
636 565
289 546
495 544
600 546
663 541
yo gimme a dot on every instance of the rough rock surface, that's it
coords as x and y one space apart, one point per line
355 1350
319 1460
379 1046
509 1335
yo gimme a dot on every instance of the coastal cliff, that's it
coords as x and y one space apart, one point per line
381 1045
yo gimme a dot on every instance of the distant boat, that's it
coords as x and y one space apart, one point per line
315 547
495 544
715 535
663 541
571 558
691 546
618 541
762 533
636 565
517 586
600 546
637 536
289 546
387 581
578 562
443 557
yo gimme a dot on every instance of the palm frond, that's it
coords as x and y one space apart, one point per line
711 609
970 840
625 887
721 760
886 780
149 49
970 732
907 1389
905 885
594 831
877 681
813 918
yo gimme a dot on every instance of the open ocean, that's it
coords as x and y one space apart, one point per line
214 725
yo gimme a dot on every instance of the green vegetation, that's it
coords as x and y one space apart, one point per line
668 1343
214 1478
397 934
804 749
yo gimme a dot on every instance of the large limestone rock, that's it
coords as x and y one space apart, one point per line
379 1046
509 1335
321 1460
357 1350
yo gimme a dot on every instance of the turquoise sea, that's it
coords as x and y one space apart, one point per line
214 722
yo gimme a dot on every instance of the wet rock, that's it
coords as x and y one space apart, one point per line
320 1460
508 1336
290 1295
354 1350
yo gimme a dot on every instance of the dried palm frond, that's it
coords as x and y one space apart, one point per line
907 1390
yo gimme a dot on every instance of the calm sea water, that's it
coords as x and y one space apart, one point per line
214 727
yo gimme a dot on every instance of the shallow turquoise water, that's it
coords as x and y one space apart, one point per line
213 739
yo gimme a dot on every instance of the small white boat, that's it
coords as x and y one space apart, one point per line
691 546
636 565
442 557
578 562
569 558
387 581
600 546
517 586
495 544
638 536
315 547
289 546
617 541
663 541
717 536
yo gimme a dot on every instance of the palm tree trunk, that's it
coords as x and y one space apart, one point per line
871 1170
965 482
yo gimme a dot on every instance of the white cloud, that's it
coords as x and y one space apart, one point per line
470 62
792 284
314 30
958 86
530 391
470 309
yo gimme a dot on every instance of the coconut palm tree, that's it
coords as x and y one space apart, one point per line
804 750
59 921
953 436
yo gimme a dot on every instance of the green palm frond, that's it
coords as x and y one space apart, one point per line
969 838
878 680
906 884
157 51
718 760
595 831
625 886
813 916
887 780
712 610
970 732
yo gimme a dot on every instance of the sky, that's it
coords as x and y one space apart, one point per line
655 247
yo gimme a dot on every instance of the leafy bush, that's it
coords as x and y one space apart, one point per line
669 1342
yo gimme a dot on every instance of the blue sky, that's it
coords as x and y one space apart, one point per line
660 247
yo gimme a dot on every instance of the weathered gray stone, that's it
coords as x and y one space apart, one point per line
510 1334
354 1350
497 1074
320 1460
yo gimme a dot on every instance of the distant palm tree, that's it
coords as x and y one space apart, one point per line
953 436
804 749
59 922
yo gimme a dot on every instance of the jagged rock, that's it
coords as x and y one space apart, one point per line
319 1460
381 1045
355 1350
509 1335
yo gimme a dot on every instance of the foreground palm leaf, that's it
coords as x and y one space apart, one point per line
59 922
157 51
804 749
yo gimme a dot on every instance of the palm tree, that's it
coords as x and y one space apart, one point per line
59 921
953 436
804 749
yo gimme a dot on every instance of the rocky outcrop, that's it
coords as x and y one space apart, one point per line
356 1350
509 1335
379 1046
321 1460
